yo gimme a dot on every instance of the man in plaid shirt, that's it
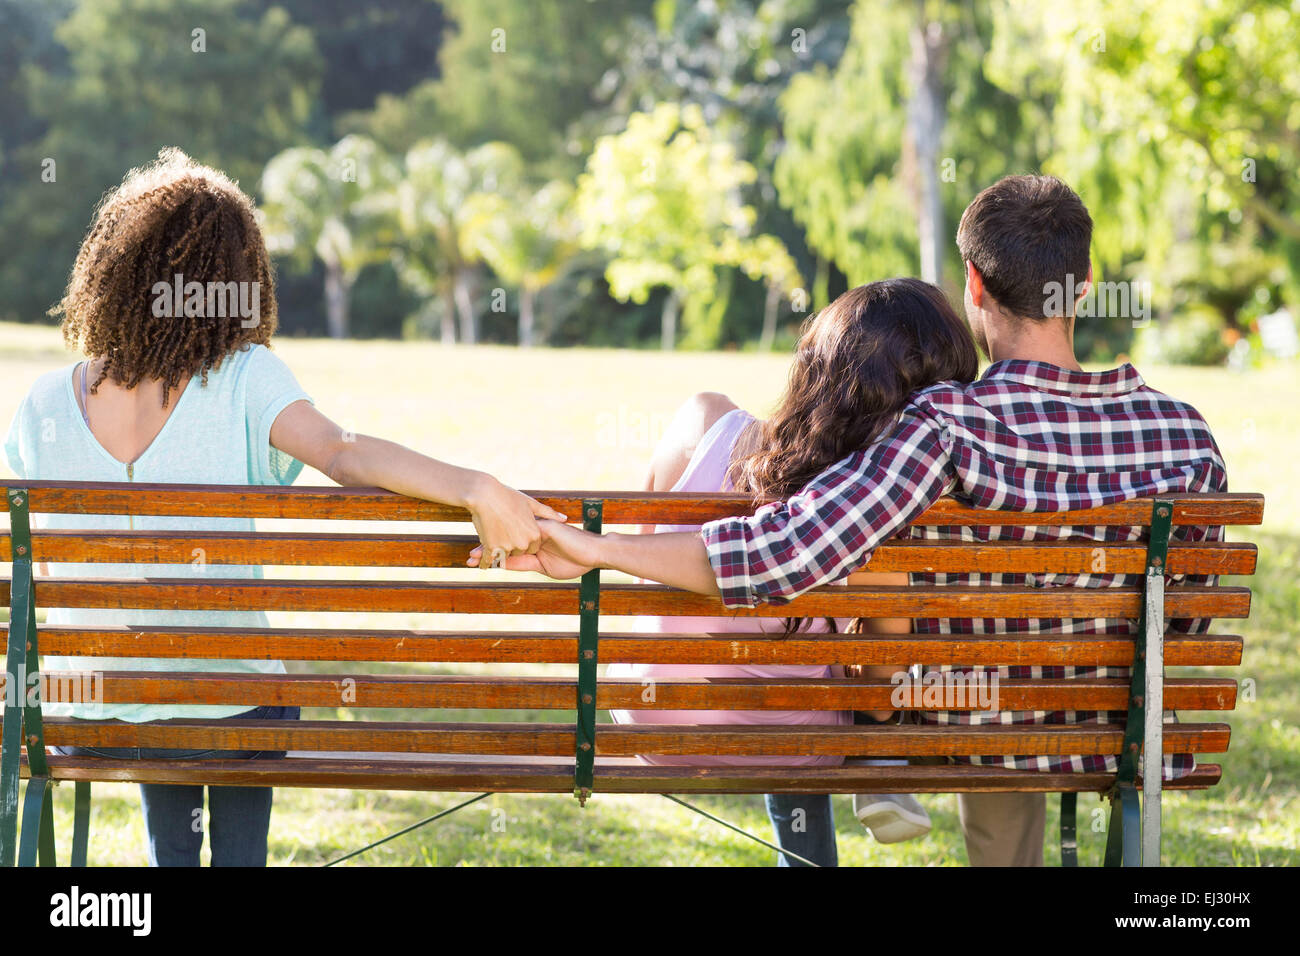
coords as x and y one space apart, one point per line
1034 433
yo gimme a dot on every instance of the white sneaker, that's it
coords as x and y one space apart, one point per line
891 817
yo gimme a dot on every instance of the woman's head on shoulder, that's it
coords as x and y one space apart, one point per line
172 277
857 365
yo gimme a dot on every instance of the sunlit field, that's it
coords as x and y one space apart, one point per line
587 420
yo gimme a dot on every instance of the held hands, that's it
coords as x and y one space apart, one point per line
507 523
565 552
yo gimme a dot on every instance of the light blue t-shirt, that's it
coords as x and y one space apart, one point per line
217 434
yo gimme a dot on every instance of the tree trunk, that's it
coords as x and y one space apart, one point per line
926 118
821 284
465 308
668 319
527 322
448 318
769 318
337 287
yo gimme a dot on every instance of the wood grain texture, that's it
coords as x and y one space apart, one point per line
237 594
400 645
558 693
558 778
557 740
321 503
449 551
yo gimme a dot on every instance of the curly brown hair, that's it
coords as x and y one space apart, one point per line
171 217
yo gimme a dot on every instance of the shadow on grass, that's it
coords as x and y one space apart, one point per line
620 830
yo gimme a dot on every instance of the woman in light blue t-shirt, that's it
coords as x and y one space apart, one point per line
169 393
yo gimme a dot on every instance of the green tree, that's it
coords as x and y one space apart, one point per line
1179 121
227 84
883 152
766 260
434 250
512 72
733 59
526 240
26 42
662 200
327 204
371 48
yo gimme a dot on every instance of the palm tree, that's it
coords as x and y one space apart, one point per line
434 254
526 240
323 203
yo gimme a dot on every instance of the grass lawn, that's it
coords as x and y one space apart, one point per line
587 419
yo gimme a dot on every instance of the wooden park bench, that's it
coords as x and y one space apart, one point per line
581 756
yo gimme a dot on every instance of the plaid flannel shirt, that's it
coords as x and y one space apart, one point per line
1027 436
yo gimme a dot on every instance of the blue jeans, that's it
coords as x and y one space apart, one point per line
240 817
804 824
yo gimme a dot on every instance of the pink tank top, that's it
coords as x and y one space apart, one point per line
707 472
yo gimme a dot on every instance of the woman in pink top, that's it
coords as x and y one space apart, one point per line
856 366
707 471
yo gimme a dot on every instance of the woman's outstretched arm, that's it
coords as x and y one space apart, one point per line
506 520
677 559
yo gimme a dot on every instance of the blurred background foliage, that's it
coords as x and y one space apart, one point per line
660 172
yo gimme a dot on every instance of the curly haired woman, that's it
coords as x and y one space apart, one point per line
174 391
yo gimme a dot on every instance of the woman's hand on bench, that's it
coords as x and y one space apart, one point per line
677 559
565 552
507 522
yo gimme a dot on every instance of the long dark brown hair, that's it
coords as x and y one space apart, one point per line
858 363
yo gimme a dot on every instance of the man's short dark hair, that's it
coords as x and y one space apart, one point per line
1023 234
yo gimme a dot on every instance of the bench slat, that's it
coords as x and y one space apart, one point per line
404 645
323 503
284 548
1058 557
557 740
557 693
442 775
232 594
